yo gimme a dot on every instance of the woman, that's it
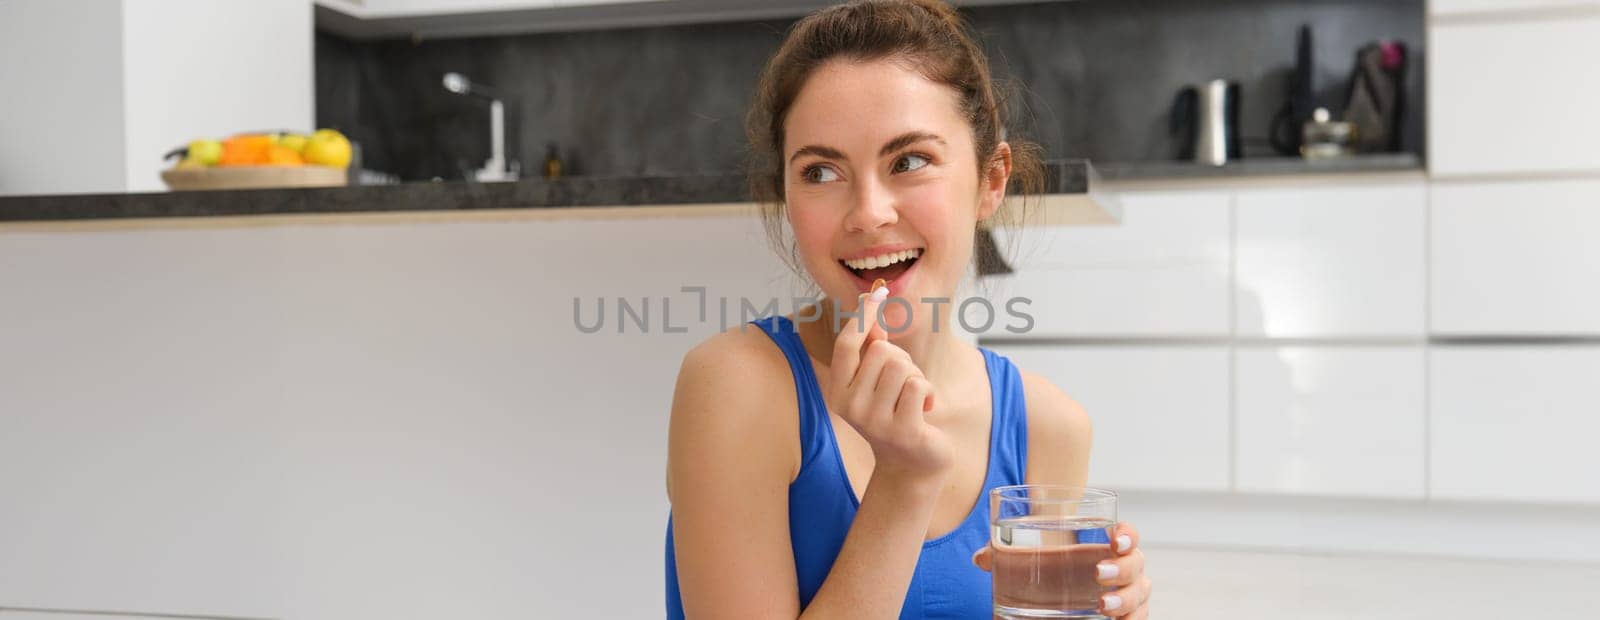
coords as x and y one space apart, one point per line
819 470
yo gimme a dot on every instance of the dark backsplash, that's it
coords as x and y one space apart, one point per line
1098 79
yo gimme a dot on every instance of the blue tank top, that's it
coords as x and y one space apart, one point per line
822 503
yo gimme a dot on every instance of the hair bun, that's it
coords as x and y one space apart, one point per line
932 37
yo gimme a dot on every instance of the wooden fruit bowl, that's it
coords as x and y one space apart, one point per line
254 177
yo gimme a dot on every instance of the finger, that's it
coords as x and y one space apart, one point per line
848 344
859 394
1126 538
922 402
846 351
913 398
865 325
892 381
1125 600
1142 613
874 361
873 315
983 558
1122 570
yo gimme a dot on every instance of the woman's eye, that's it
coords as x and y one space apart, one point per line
819 174
909 162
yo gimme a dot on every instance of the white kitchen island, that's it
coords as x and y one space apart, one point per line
357 415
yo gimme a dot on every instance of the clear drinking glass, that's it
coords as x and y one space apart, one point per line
1046 541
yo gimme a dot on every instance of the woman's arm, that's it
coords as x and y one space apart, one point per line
1059 434
731 469
1058 453
729 463
731 456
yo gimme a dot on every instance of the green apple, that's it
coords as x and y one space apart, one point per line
293 141
207 152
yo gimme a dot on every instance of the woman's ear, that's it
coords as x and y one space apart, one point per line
993 183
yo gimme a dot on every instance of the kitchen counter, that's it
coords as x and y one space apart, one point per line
1259 167
1073 197
1076 194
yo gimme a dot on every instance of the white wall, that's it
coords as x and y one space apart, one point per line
201 68
61 115
347 421
96 94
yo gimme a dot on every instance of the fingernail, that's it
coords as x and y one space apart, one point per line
1112 601
1107 570
1123 543
881 293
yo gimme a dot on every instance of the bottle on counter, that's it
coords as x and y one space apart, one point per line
552 162
1324 138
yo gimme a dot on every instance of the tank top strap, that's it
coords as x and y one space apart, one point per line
1008 461
816 433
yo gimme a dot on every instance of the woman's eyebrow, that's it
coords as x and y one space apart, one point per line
907 139
899 142
825 152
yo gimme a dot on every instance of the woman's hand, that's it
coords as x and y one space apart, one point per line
1124 571
883 395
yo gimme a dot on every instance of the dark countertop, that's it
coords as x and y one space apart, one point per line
1064 177
1261 166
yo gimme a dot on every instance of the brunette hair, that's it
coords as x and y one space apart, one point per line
932 39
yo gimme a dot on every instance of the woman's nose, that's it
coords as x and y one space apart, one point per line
874 207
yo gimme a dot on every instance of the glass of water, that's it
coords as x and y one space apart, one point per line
1045 543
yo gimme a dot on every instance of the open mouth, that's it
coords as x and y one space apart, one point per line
889 266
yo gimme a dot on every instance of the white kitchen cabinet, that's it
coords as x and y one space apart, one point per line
299 421
462 18
1160 414
139 423
1339 420
349 7
1515 423
1512 7
1162 270
1516 258
599 2
399 8
1331 261
74 614
1514 96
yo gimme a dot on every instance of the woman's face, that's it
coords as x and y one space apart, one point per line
881 182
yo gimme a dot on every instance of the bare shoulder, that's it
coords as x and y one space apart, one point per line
1059 433
1052 412
728 406
736 363
732 450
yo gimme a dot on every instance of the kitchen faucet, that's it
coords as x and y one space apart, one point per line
496 168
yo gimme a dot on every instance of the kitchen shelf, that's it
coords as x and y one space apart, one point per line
508 17
1259 167
1073 197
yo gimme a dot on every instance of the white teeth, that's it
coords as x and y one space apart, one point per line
882 260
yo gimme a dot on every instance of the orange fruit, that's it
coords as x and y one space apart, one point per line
249 150
283 156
